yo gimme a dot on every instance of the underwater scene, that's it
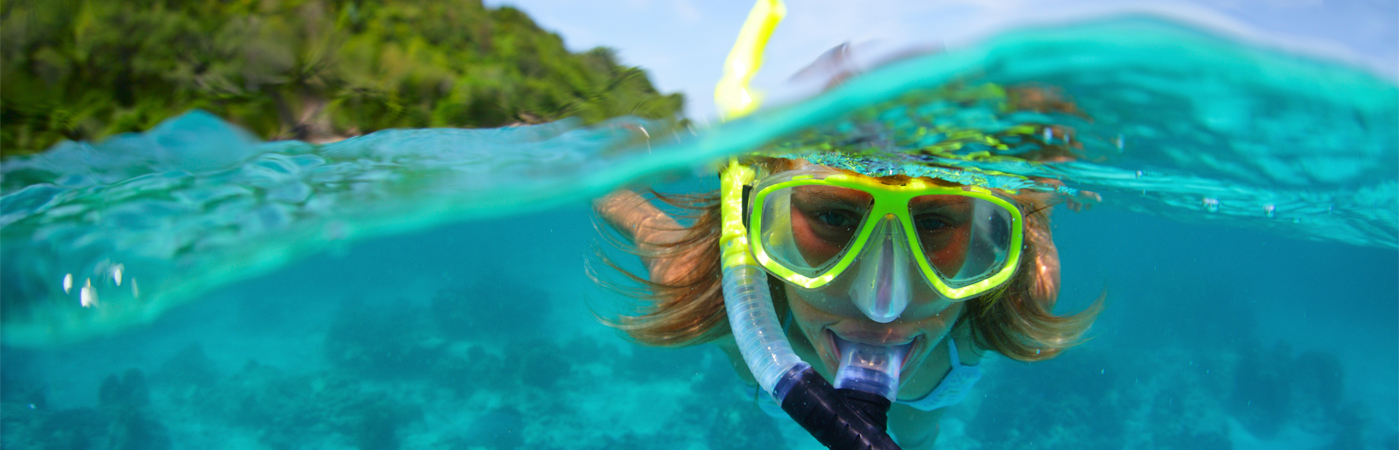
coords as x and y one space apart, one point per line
197 286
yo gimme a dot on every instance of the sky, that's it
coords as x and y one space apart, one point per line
683 43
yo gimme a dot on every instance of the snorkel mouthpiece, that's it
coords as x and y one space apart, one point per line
870 368
881 287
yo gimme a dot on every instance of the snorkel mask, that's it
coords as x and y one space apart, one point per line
815 226
820 228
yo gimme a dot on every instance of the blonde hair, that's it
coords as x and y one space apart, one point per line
1015 320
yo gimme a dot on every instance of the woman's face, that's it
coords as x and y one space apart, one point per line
824 221
829 311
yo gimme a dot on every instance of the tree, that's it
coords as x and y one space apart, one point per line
305 69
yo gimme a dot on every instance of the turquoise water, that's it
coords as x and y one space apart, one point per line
424 288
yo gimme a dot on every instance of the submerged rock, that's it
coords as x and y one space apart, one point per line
129 391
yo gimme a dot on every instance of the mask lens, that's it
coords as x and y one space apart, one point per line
965 239
808 228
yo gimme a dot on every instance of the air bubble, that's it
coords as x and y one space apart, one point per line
1269 210
1119 142
117 273
87 296
1211 204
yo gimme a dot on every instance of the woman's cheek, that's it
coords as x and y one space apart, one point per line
832 301
950 253
810 320
814 249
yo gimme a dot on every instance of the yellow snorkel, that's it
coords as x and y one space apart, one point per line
736 99
839 419
732 94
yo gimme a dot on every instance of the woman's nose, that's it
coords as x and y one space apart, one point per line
881 288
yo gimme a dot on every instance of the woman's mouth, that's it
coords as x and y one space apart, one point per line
911 346
871 366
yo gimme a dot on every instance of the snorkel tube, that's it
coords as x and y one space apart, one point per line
848 418
852 417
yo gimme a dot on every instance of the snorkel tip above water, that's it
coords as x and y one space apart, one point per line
733 95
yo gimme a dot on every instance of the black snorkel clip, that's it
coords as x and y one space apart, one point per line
840 419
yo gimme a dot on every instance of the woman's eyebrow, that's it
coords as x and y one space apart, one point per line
940 203
810 195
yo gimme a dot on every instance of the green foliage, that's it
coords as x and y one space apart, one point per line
306 69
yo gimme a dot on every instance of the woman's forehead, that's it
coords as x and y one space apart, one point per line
934 170
810 193
900 179
785 164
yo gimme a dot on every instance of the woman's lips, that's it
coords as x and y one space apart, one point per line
869 338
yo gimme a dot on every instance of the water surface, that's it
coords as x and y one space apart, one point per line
424 288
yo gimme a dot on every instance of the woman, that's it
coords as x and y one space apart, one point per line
940 271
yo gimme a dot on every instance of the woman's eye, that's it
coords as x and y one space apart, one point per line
835 219
927 223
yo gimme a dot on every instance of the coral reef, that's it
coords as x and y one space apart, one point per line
191 367
1062 403
1179 418
1177 399
434 374
470 370
19 384
492 309
380 342
128 391
66 429
738 427
537 364
1274 389
1263 389
501 428
287 410
121 421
